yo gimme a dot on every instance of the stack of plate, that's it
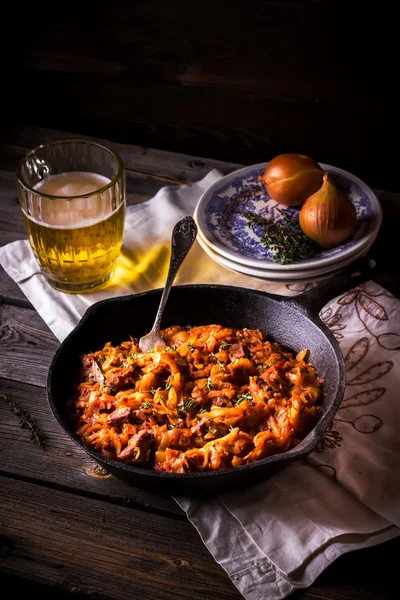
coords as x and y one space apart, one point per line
225 235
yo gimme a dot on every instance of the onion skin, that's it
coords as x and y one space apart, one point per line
328 217
291 178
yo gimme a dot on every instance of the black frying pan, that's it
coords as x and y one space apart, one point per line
293 322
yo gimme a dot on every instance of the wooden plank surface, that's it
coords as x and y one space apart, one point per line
60 516
165 166
88 547
94 547
27 345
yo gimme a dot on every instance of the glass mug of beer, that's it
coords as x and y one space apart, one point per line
72 197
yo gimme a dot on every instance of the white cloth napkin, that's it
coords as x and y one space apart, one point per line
281 534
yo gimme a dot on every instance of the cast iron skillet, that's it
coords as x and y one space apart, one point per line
293 322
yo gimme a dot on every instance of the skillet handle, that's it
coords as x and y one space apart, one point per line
350 277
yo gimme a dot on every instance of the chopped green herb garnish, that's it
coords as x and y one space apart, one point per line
203 410
168 384
212 431
270 363
242 397
284 237
187 327
145 405
224 346
208 384
187 405
219 362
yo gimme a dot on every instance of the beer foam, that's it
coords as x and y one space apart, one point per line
73 212
72 184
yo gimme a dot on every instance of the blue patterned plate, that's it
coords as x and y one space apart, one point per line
228 233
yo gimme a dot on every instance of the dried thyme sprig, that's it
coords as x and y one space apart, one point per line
25 421
284 237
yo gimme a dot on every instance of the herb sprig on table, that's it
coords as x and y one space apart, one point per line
284 237
25 421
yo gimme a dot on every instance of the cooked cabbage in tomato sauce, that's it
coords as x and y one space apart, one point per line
212 398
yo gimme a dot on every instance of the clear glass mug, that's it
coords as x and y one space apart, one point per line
72 197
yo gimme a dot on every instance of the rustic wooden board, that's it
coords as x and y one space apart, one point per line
27 345
85 545
92 549
166 167
10 216
144 546
10 292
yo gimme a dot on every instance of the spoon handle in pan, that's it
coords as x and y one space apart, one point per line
183 236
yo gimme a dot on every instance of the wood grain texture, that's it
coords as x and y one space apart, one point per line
167 166
68 530
83 546
60 463
27 345
87 546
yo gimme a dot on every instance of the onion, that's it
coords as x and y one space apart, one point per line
291 178
328 217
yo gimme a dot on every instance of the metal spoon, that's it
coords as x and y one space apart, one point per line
183 236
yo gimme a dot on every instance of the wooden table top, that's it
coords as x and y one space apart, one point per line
65 528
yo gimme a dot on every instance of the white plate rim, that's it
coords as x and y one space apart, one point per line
274 281
296 274
273 276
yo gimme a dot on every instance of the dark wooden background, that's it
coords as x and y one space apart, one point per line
238 80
